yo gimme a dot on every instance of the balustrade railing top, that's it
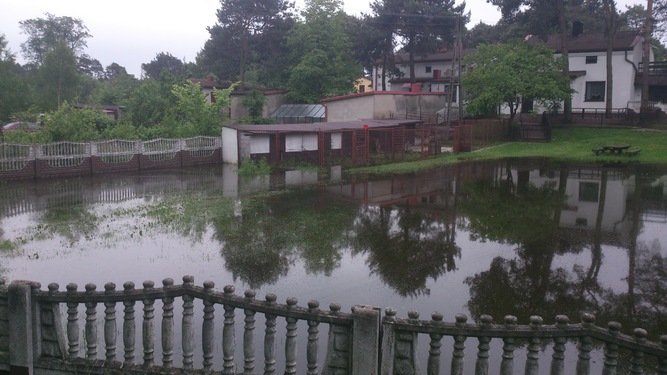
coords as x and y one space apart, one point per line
358 342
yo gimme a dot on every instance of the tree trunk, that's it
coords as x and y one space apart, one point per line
411 56
610 26
646 55
244 51
564 45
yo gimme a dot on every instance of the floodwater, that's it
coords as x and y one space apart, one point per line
521 237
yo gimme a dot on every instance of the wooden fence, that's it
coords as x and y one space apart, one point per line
41 331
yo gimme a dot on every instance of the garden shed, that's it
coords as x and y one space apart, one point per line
321 143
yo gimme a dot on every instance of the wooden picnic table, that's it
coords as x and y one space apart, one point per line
617 149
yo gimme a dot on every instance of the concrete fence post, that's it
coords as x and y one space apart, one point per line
20 328
365 340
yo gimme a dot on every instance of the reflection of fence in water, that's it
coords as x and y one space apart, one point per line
20 198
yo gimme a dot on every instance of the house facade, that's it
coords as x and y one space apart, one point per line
434 73
588 72
588 69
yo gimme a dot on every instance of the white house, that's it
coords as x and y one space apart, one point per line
587 61
588 69
434 72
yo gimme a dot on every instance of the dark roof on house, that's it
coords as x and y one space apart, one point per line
300 110
322 126
595 42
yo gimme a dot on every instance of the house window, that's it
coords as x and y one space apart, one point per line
428 69
591 59
589 191
594 91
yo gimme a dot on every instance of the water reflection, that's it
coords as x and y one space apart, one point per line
526 237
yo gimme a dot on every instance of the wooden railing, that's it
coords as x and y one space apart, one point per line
654 68
36 335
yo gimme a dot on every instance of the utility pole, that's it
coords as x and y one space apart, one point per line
456 64
646 55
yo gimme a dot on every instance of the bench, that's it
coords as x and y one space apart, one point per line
632 152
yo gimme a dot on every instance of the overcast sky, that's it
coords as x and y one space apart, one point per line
132 32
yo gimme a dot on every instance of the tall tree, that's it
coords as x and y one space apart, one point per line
164 63
247 18
611 26
322 53
423 25
46 34
58 77
14 90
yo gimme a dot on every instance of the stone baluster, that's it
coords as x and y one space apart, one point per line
459 346
290 341
110 324
507 363
270 338
611 350
662 361
72 324
188 335
91 324
482 364
208 328
228 340
148 329
167 326
433 365
637 362
585 346
558 358
313 332
249 336
129 327
534 346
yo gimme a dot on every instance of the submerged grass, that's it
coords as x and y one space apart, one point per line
571 144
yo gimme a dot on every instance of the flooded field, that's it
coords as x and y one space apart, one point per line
497 238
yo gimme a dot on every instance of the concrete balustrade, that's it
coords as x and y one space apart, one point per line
44 341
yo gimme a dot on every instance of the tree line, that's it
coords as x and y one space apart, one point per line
314 52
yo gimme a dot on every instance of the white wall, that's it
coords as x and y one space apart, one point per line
230 146
354 108
623 78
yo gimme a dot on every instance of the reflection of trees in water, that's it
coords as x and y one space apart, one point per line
268 233
528 217
527 285
405 247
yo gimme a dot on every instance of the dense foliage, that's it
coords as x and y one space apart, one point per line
504 74
313 52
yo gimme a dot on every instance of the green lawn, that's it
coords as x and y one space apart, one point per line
572 144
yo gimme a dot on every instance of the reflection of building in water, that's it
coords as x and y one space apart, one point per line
585 189
590 192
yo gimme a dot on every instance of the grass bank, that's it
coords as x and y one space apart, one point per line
572 144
